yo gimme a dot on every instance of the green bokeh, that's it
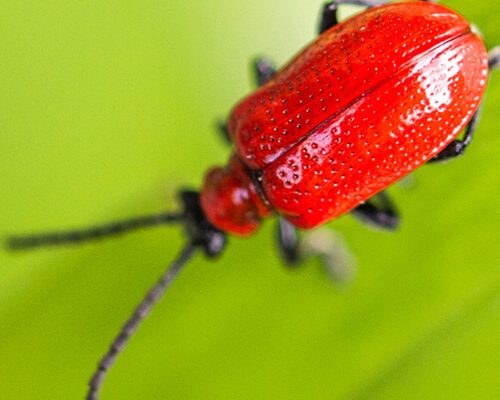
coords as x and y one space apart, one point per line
106 110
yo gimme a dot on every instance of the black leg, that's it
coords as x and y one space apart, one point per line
494 59
329 15
379 212
264 70
288 242
457 147
223 133
323 243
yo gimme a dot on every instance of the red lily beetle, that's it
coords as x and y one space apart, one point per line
369 101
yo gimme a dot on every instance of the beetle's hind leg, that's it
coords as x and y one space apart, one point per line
379 211
288 242
323 243
329 13
457 147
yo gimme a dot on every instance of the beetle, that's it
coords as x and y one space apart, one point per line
369 101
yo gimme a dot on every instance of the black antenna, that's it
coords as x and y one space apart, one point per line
77 236
200 232
140 313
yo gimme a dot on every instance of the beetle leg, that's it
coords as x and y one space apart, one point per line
322 243
494 59
329 15
457 147
223 132
382 215
264 70
288 242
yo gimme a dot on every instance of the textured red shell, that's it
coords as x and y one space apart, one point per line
369 101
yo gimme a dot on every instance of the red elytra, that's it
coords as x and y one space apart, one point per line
366 103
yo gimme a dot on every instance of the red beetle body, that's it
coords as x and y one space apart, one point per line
366 103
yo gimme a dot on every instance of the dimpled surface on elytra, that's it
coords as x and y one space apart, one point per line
368 102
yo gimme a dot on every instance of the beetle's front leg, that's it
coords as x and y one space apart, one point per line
457 147
322 243
379 211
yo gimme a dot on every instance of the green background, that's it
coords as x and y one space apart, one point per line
106 109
